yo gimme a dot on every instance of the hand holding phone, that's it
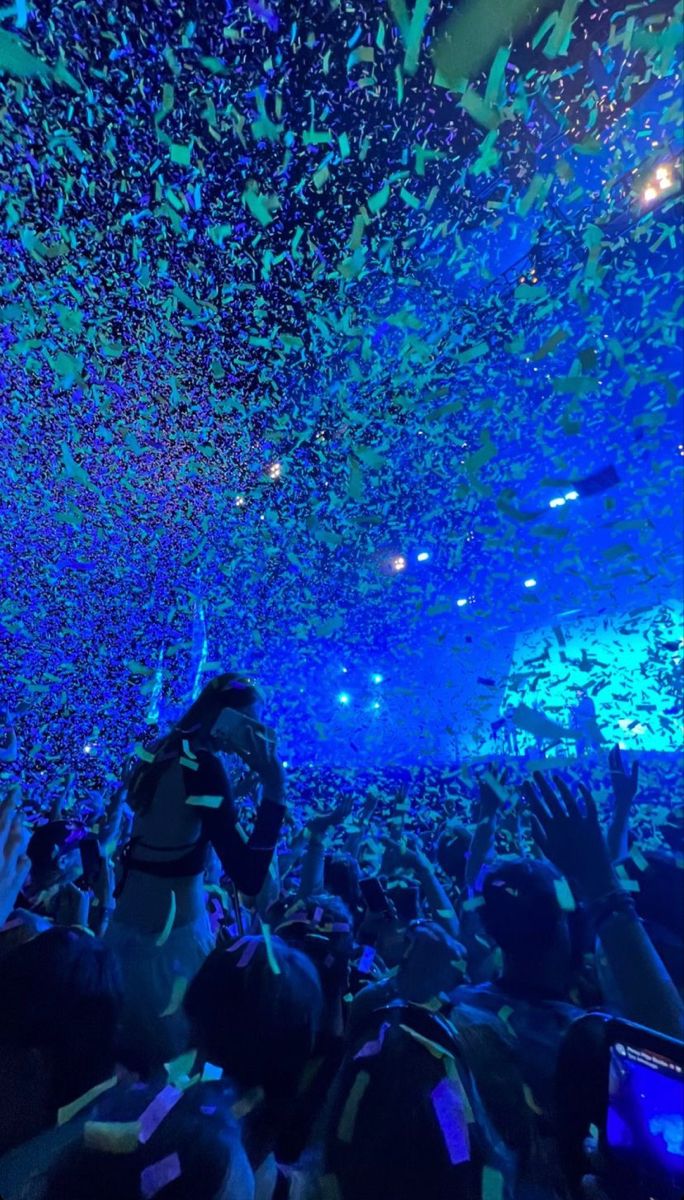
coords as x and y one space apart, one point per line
643 1137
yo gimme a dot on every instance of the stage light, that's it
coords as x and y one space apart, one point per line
274 471
530 583
344 697
557 502
423 556
377 678
572 495
375 705
240 501
87 749
398 563
460 603
650 194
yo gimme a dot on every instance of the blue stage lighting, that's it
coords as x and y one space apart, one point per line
530 583
344 697
377 678
423 556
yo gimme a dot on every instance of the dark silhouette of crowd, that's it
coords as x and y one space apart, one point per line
216 985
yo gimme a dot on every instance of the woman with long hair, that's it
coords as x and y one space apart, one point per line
183 805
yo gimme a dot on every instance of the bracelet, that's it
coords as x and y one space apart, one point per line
612 904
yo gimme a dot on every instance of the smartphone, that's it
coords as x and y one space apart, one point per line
91 862
406 900
643 1135
374 896
230 729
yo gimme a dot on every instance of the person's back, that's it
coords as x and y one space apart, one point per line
141 1142
60 1003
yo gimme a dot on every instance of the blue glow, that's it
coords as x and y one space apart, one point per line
423 556
344 698
529 583
377 678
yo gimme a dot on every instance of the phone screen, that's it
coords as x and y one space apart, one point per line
229 728
374 895
644 1134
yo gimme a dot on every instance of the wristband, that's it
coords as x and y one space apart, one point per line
613 903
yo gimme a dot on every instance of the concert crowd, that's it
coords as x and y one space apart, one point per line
223 982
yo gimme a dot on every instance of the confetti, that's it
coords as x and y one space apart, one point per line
449 1109
158 1175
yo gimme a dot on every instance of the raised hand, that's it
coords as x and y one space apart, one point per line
570 838
492 795
14 862
625 784
319 825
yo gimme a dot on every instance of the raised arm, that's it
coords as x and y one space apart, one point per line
625 786
314 855
246 862
572 839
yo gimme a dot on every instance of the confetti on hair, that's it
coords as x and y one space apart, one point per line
178 990
158 1175
70 1110
168 927
157 1110
112 1137
211 1072
492 1184
270 950
178 1070
347 1123
447 1102
205 801
433 1048
373 1047
564 895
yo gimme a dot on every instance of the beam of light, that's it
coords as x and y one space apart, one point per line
154 708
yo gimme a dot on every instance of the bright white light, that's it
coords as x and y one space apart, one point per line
650 194
375 705
572 495
377 678
398 563
344 697
665 182
557 502
87 749
240 501
660 171
460 603
530 583
423 556
274 471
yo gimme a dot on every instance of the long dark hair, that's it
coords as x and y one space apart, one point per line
231 690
